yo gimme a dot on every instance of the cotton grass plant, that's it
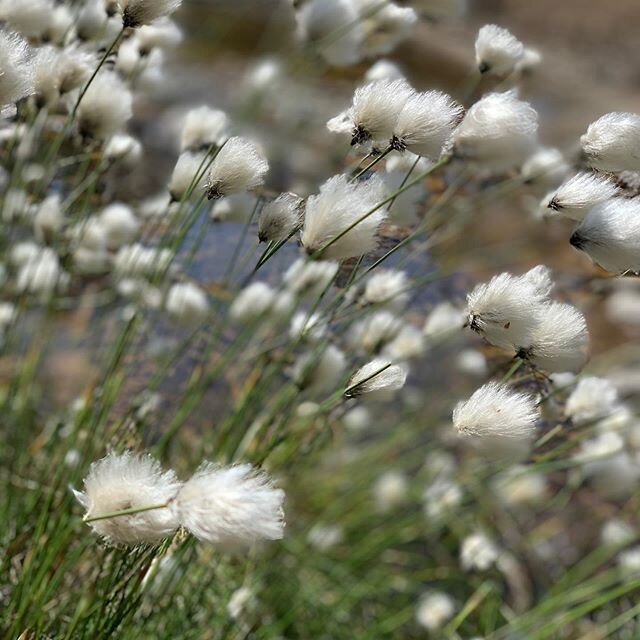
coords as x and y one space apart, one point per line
271 415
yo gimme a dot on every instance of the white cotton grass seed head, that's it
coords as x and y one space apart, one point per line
342 220
375 331
379 375
49 218
252 302
187 175
520 486
119 224
384 26
136 260
501 309
123 149
434 610
592 398
105 107
558 340
426 123
280 218
478 552
310 327
408 343
390 491
575 197
498 51
498 132
444 320
240 165
617 533
387 287
238 207
309 278
162 34
320 20
29 17
119 482
611 143
16 79
187 303
383 70
547 167
231 507
496 410
41 275
136 13
204 127
610 235
319 373
376 108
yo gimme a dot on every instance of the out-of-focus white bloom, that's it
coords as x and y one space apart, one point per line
138 260
16 80
252 302
129 481
310 278
374 332
263 78
29 17
611 143
16 205
379 375
323 537
574 198
74 65
375 110
238 207
610 235
472 362
49 219
91 20
139 290
231 507
306 326
623 307
434 610
322 22
426 122
158 206
162 34
390 490
23 252
408 343
357 419
136 13
105 107
123 148
502 310
41 275
383 70
280 217
320 373
387 286
602 446
441 497
520 485
478 552
445 319
616 532
45 82
593 398
629 562
238 166
547 166
241 603
530 61
188 174
203 127
384 25
497 410
347 215
498 51
559 339
498 132
398 170
90 255
119 224
187 303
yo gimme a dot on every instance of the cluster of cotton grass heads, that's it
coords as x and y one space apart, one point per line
311 375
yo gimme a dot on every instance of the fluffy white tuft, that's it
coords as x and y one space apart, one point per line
611 143
16 77
592 399
547 166
136 13
378 375
203 127
577 195
187 303
498 51
280 218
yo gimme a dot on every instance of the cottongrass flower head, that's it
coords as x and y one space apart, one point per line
498 51
231 507
478 552
202 128
119 225
384 26
310 277
611 143
390 491
252 302
280 218
387 287
425 123
375 110
592 398
16 79
610 235
136 13
379 375
576 196
444 320
496 410
498 132
187 303
239 166
342 220
501 309
375 331
128 481
546 166
434 610
187 175
105 107
558 340
383 70
318 373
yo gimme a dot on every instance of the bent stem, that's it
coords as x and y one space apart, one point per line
372 164
125 512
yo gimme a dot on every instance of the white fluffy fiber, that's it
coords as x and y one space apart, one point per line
498 51
136 13
612 142
340 204
202 127
187 303
231 507
280 217
577 195
379 375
